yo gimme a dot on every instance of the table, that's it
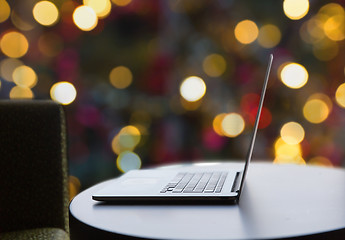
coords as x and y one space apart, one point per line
277 202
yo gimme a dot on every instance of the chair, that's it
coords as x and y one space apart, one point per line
33 170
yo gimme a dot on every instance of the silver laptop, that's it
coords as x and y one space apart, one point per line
184 185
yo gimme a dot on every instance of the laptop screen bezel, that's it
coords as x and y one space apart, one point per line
256 124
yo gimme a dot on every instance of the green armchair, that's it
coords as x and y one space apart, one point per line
33 170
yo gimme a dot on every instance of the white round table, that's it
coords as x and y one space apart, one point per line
277 202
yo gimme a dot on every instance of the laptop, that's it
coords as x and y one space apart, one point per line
183 185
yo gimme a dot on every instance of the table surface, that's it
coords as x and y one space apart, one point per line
278 201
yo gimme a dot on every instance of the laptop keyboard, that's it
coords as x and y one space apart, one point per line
201 182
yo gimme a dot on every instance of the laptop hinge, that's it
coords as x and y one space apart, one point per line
237 182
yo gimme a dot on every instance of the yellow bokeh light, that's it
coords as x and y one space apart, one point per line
18 92
324 98
45 13
283 149
233 125
126 140
292 133
193 89
269 36
190 106
74 186
294 75
24 76
287 153
334 28
315 28
325 50
340 95
50 44
331 9
5 11
21 23
121 3
120 77
14 44
320 161
129 137
315 110
289 160
214 65
127 161
85 18
217 124
7 67
63 92
102 8
246 31
296 9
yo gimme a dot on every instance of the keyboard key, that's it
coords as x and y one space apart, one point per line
196 183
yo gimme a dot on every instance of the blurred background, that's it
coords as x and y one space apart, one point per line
149 82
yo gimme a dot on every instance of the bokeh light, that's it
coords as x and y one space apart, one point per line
121 3
333 15
25 76
7 67
294 75
85 18
18 92
287 153
316 110
74 186
246 31
45 13
214 65
21 22
296 9
14 44
63 92
126 140
269 36
102 8
50 44
127 161
292 133
5 11
286 159
340 95
233 125
120 77
193 89
217 123
325 50
320 161
335 28
312 30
